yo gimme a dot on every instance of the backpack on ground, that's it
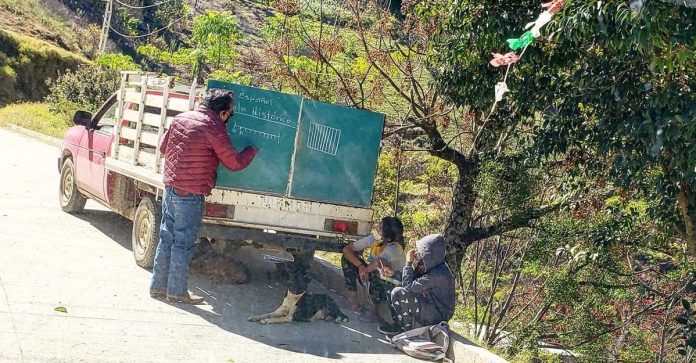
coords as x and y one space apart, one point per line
428 342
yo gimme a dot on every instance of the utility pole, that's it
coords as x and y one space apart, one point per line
105 26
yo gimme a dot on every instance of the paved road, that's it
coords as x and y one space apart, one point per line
84 263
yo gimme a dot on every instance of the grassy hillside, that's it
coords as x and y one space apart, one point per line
48 20
26 63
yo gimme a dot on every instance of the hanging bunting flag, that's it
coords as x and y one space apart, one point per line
543 19
500 89
553 7
504 59
521 42
525 40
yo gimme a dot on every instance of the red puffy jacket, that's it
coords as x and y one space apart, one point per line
194 145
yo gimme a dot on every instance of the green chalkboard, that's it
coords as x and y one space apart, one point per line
308 149
268 120
336 154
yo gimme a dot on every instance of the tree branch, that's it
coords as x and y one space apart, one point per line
361 32
440 149
318 51
517 221
399 129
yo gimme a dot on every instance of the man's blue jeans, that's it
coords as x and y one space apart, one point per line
181 220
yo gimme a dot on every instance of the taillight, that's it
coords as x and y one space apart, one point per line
336 225
219 210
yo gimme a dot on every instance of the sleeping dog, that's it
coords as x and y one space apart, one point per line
304 308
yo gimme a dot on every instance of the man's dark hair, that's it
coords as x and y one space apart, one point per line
218 99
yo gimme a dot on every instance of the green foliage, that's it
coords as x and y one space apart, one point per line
276 26
212 45
305 68
235 77
128 21
507 187
85 88
170 11
184 56
216 34
117 62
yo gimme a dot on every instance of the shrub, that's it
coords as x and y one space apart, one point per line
85 88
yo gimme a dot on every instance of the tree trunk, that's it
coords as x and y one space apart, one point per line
683 198
463 200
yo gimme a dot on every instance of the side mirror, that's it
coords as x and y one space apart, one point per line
83 118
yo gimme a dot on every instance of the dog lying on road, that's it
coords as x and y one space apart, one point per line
304 308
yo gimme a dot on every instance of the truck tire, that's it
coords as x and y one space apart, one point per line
146 227
71 200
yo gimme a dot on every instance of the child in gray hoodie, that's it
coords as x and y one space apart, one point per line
427 294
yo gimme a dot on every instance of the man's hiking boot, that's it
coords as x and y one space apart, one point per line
157 294
388 329
188 299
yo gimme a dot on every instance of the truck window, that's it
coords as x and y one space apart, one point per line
108 120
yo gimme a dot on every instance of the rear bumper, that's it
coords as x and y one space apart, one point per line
257 237
288 215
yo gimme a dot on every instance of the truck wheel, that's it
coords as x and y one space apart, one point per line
146 227
71 200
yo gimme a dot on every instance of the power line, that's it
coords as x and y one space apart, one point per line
148 34
142 7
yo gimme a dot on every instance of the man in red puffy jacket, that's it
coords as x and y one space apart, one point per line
194 145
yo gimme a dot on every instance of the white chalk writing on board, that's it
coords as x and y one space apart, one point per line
241 130
251 99
267 115
323 138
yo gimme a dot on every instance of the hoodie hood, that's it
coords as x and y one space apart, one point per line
432 249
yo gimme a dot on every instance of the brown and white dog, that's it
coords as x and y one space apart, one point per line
303 308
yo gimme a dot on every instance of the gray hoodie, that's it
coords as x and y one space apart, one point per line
436 285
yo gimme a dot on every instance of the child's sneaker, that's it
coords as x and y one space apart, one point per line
388 329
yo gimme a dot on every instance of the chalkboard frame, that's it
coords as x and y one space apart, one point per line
368 173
